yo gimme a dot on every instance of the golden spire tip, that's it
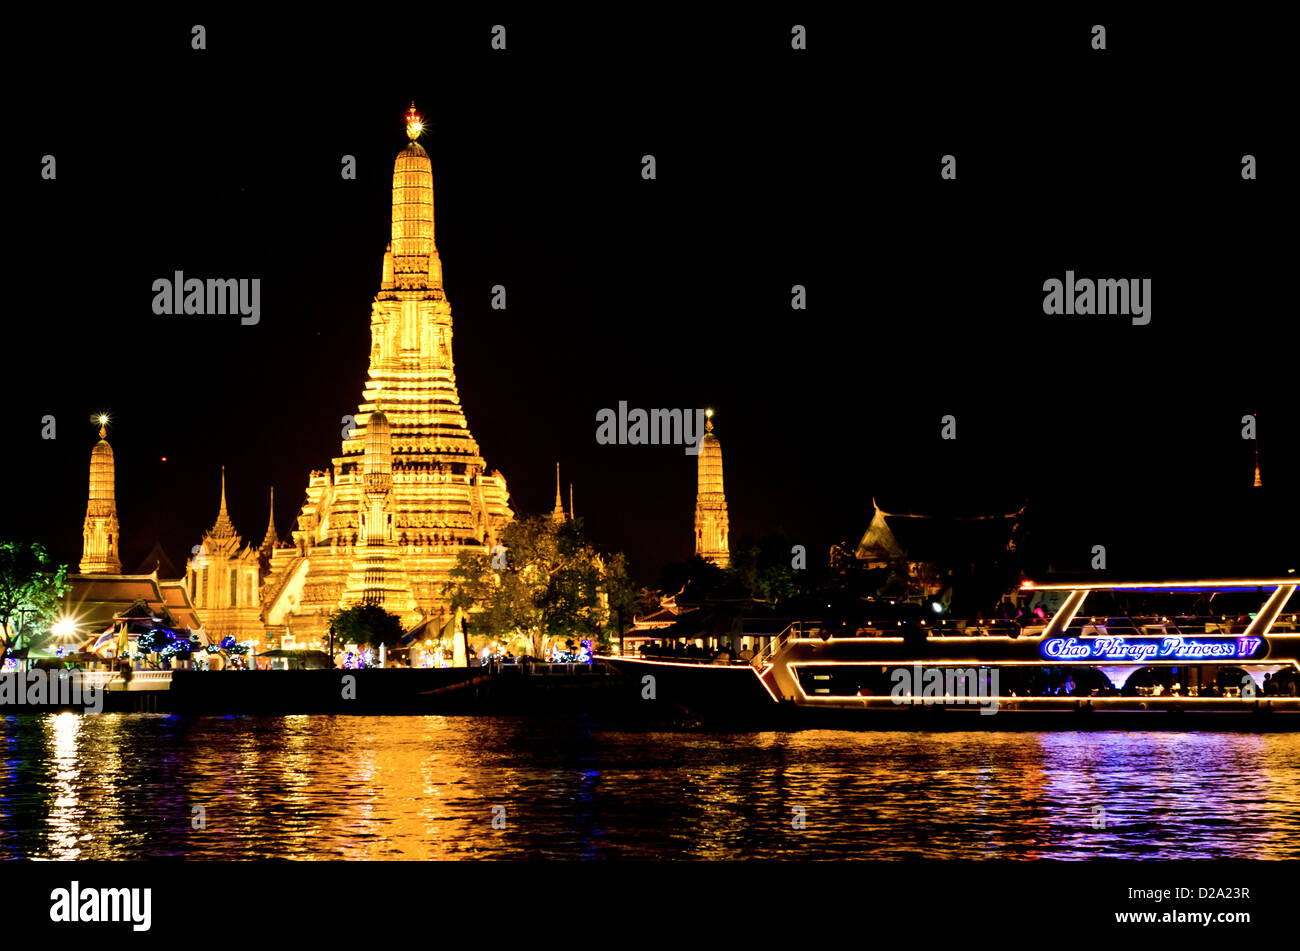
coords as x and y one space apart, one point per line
414 122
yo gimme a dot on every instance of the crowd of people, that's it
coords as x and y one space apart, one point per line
582 652
676 650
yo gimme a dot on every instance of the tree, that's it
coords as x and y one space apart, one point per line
648 601
368 624
31 591
554 584
697 577
161 645
623 599
764 569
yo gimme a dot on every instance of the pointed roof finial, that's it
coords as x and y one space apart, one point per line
708 420
557 514
414 122
271 539
102 419
223 527
571 501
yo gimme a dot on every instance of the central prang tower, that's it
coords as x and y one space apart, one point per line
711 527
438 498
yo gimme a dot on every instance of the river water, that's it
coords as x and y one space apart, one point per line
135 786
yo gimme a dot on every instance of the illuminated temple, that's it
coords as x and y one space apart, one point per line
99 534
410 488
223 580
711 529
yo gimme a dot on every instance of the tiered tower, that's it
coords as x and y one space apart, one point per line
377 576
441 498
99 534
711 531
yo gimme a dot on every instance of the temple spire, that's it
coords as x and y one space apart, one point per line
570 501
414 256
223 527
271 539
557 514
414 500
100 538
711 526
1258 482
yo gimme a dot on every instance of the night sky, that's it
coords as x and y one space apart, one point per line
775 168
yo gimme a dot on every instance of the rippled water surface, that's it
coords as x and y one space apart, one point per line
126 787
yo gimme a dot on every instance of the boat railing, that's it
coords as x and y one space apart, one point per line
1151 624
764 656
102 678
1122 625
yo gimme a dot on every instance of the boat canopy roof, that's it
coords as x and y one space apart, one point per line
1230 584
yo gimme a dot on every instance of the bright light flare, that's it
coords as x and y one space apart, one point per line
65 628
414 123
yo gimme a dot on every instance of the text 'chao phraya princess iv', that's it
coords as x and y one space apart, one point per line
410 489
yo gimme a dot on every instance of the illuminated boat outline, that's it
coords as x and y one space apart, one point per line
777 666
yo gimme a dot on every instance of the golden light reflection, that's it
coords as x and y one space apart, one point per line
63 734
398 800
311 787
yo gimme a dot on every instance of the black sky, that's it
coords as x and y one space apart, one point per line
774 168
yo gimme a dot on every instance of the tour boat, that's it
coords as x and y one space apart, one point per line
1221 655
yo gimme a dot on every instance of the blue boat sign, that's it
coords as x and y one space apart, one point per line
1140 650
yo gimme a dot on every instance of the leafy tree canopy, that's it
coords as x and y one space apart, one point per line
368 624
31 592
548 582
760 569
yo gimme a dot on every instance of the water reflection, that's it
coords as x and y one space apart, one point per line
61 739
126 787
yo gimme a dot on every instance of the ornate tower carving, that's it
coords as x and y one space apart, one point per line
711 531
377 575
100 537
